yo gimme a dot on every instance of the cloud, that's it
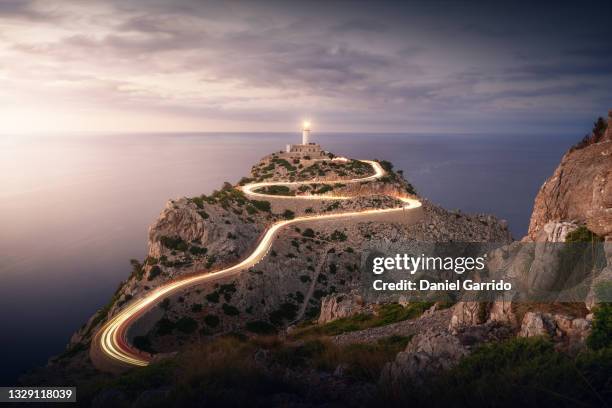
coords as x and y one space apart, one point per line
366 25
391 67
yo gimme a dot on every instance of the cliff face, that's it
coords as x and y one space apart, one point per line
580 190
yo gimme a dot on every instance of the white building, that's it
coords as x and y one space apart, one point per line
307 148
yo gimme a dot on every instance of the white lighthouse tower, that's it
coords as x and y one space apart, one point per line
306 132
307 149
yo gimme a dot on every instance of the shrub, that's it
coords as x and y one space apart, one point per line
386 314
526 372
324 189
288 214
165 326
582 234
308 233
186 325
143 343
196 308
211 320
599 129
601 334
196 250
262 205
175 243
261 327
230 310
211 260
338 236
154 272
286 311
276 190
149 261
137 269
213 297
199 201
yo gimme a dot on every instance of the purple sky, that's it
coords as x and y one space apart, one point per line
187 65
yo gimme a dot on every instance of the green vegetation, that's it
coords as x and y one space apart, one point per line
212 320
186 325
143 343
165 326
601 334
137 269
276 190
210 261
261 205
154 272
363 361
175 243
582 234
597 133
324 189
387 314
286 312
518 372
196 307
288 215
230 310
308 233
260 327
196 250
338 236
227 290
213 297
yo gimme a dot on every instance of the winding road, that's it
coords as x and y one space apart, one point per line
110 349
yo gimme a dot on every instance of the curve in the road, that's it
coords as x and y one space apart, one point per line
110 347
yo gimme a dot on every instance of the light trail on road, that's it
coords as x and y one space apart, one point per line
111 341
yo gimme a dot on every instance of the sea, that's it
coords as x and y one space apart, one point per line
75 208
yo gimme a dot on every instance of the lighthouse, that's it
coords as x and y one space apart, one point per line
307 150
305 133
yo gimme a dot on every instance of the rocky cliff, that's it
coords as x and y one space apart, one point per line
574 204
580 189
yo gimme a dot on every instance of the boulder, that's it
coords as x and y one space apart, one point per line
428 352
536 324
579 190
339 305
467 314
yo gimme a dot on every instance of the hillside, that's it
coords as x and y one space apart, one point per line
296 329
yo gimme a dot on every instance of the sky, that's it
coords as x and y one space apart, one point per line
264 66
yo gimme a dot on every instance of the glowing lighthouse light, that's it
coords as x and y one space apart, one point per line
305 132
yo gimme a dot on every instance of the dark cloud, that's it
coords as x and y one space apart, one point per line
344 60
366 25
21 9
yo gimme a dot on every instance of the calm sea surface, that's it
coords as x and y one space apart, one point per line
75 209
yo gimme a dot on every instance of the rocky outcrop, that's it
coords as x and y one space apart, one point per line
580 190
573 330
337 306
428 352
433 351
467 314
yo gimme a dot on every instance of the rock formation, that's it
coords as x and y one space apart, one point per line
580 190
